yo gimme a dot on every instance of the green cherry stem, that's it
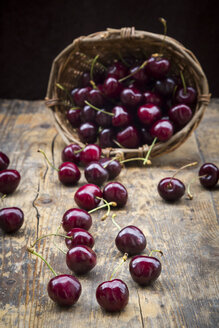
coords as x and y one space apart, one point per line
114 204
137 70
183 82
149 151
135 159
184 167
108 208
115 223
47 160
92 67
124 258
157 251
122 59
49 235
66 92
190 196
98 109
32 251
55 244
117 143
3 197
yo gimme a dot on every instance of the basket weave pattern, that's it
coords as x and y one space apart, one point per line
69 65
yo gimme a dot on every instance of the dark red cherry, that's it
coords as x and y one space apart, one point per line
11 219
115 192
131 97
139 75
95 98
81 95
76 218
64 289
146 137
91 153
81 259
69 173
4 161
106 137
129 137
85 80
95 173
180 114
113 295
79 237
188 97
171 189
104 120
157 67
152 98
162 129
130 240
113 167
144 269
69 155
117 70
9 180
121 116
88 114
73 92
86 196
112 87
87 132
74 117
149 113
165 87
212 175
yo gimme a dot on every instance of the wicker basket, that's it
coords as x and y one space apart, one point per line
70 64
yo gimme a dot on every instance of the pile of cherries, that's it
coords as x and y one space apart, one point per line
129 105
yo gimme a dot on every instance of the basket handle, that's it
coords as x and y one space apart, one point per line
124 32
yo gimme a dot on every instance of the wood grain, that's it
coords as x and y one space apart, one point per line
185 295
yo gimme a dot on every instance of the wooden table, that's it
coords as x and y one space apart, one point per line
185 295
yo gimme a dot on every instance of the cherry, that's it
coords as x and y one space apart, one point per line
68 173
76 218
152 98
112 87
103 119
74 117
112 295
96 173
149 113
157 67
146 136
112 166
4 161
87 132
129 137
90 153
144 269
139 75
162 129
79 237
9 180
86 196
64 289
171 189
81 259
88 114
131 240
180 114
81 95
131 97
115 192
186 96
117 70
165 87
211 173
11 219
95 97
106 138
121 116
85 79
70 154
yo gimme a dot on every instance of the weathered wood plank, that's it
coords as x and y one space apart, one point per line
185 295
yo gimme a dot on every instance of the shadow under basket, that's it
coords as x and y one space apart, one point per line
112 44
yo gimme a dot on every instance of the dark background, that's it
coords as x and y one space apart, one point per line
32 33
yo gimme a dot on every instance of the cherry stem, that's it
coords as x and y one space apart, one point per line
157 251
98 109
113 159
66 92
92 67
114 204
93 84
48 235
190 196
137 70
183 82
122 59
32 251
78 151
54 243
135 159
115 223
184 167
124 258
164 22
74 108
149 151
117 143
47 160
3 197
108 208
